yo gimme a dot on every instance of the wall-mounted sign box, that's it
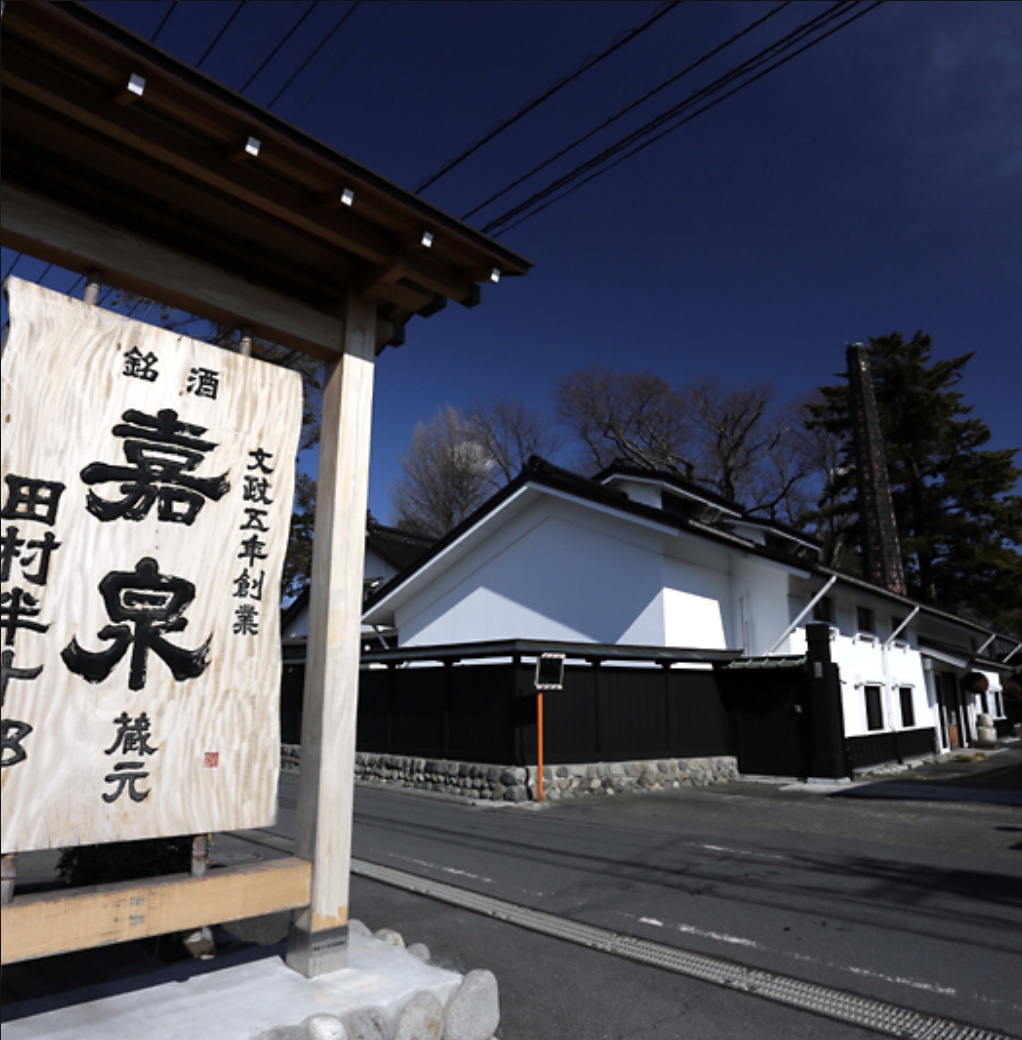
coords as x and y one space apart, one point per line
146 500
549 672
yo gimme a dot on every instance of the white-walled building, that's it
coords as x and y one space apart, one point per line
641 559
388 552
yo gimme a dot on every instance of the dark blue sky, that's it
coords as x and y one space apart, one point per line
870 185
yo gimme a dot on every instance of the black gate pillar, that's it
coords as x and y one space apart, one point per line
827 757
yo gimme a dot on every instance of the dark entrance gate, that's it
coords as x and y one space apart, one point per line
768 705
785 713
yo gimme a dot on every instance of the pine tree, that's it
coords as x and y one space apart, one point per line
958 512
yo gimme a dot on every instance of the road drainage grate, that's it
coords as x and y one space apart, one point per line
883 1018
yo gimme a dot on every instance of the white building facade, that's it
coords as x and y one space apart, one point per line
635 559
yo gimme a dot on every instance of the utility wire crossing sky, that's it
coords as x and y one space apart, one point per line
730 190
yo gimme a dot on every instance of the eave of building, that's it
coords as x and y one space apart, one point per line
910 604
397 548
530 487
668 483
514 497
100 125
779 531
592 653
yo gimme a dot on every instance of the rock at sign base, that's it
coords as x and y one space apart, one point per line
325 1027
473 1012
421 1019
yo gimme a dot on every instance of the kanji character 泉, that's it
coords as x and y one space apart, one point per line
155 604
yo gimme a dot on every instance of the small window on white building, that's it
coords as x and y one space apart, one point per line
908 711
865 620
824 610
874 708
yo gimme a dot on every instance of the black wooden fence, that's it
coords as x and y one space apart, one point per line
487 712
478 703
872 749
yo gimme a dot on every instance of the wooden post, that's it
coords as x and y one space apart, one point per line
318 935
92 287
539 744
200 851
549 676
10 874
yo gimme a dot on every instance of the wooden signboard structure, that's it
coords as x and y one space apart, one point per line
125 165
136 704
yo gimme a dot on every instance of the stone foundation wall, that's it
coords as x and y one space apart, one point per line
654 775
466 779
519 784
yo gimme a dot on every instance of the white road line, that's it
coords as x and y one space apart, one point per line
753 853
688 929
443 870
851 969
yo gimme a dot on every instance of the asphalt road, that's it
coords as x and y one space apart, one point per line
907 890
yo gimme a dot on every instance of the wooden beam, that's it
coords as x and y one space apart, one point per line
50 923
75 168
371 285
218 164
217 167
65 237
66 54
317 941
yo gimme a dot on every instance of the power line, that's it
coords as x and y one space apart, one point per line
529 206
573 187
668 114
382 11
322 43
219 35
571 190
628 108
166 18
276 50
589 63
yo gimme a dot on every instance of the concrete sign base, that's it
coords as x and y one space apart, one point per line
242 1000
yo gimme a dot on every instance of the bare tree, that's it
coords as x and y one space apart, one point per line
445 475
750 449
510 433
738 442
733 435
784 488
636 417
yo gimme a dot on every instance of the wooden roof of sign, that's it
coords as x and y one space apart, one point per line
200 193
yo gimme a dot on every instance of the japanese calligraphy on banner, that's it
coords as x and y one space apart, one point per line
146 499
